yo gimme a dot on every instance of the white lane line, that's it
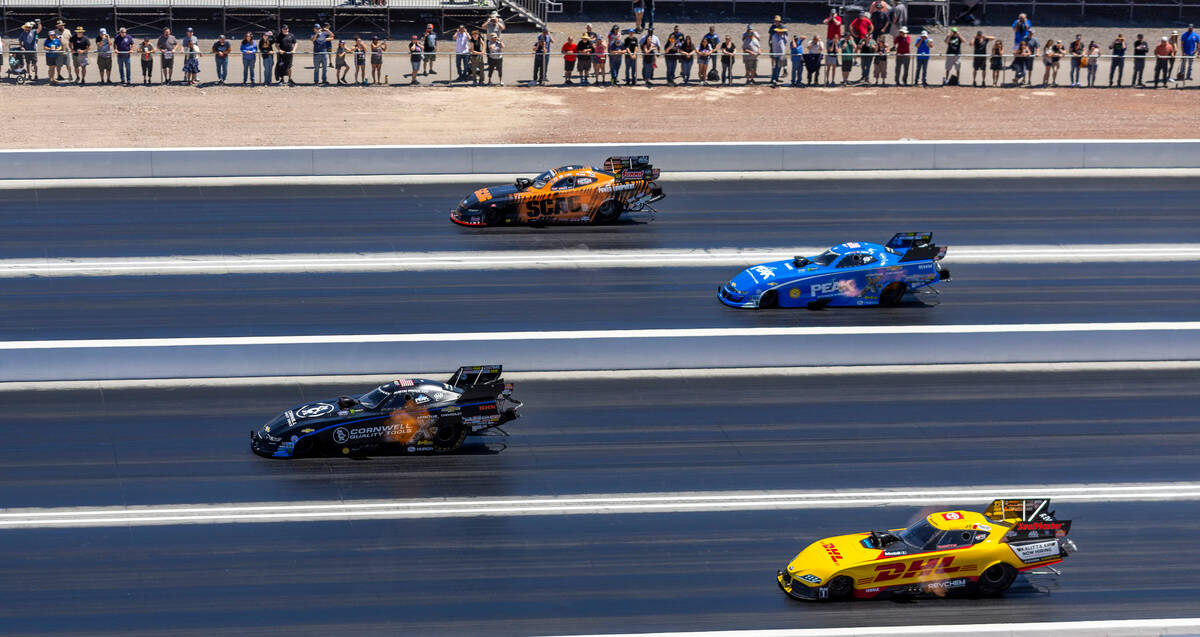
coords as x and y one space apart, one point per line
556 259
581 505
1092 628
563 335
367 380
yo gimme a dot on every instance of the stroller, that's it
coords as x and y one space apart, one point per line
16 68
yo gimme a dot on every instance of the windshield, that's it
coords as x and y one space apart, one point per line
919 534
825 258
371 399
542 179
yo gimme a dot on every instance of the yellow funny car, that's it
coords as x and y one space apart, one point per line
943 552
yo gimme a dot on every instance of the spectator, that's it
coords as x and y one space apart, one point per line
616 55
599 60
1032 43
63 58
104 48
881 61
1019 64
1077 51
415 47
462 54
953 52
847 56
650 49
812 60
286 43
639 12
924 47
728 51
53 46
124 45
902 45
704 59
191 62
249 50
712 38
266 46
341 66
429 48
631 52
1117 66
1093 63
583 58
591 33
1052 59
478 57
80 44
568 53
866 58
322 41
167 46
146 51
220 51
493 25
899 18
1187 44
1162 56
881 16
979 57
750 52
687 57
1174 42
495 50
27 39
860 28
997 62
1020 28
831 60
377 48
541 57
796 50
1141 48
360 61
833 25
779 49
671 54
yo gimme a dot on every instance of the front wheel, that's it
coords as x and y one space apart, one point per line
841 587
769 299
996 579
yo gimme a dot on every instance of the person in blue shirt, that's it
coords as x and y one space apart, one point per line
249 58
27 39
796 48
1188 42
1020 28
923 49
52 47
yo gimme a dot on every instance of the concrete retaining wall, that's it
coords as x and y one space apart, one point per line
735 156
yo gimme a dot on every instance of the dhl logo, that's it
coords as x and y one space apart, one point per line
832 550
916 568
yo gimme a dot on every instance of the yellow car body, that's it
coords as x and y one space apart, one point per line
945 551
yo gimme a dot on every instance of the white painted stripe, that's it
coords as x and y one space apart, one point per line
668 178
557 259
368 380
715 332
583 504
1093 628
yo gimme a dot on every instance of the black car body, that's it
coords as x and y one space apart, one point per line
406 415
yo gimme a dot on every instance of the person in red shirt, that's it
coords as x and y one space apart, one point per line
568 51
1163 53
860 28
833 26
903 49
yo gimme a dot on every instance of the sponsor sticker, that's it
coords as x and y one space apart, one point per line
341 435
952 515
1036 551
764 271
315 410
795 293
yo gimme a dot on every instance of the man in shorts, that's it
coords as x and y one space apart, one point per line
80 45
27 39
167 46
954 44
429 46
751 48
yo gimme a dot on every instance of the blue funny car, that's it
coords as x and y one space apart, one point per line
849 274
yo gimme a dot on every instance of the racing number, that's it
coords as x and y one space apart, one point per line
915 568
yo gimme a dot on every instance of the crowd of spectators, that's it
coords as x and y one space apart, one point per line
866 45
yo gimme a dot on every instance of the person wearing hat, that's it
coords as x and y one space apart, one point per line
1141 49
479 56
377 49
631 53
266 54
123 43
167 46
671 53
1163 53
322 43
924 47
583 57
104 47
494 24
954 44
429 46
220 51
541 56
880 13
495 54
777 44
191 60
902 45
1117 67
898 18
339 62
80 45
1187 48
462 55
751 48
27 40
64 55
1174 42
52 46
415 49
1020 28
146 56
286 43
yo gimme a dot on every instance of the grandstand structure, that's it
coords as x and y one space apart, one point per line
236 16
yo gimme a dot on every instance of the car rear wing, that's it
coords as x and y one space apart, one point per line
631 167
475 376
1029 519
916 246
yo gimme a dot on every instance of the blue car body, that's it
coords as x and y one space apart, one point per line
846 275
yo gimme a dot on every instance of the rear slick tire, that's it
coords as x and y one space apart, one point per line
891 295
608 212
996 579
447 438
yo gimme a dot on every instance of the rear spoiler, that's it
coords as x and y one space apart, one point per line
631 167
916 246
475 375
1030 519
